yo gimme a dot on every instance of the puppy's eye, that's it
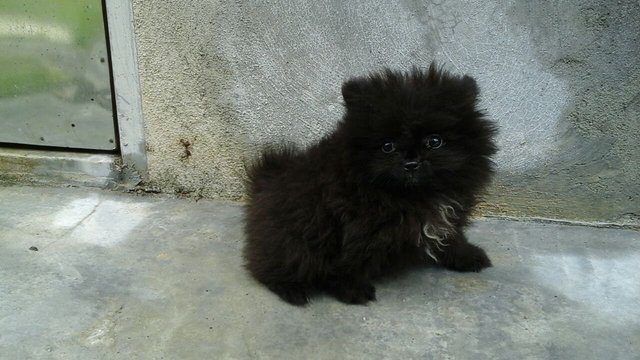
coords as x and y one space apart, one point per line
388 147
433 141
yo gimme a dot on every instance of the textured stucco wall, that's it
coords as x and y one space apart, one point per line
562 79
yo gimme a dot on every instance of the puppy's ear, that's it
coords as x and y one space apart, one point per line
460 93
469 89
353 92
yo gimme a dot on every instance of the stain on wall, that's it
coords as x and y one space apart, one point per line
561 80
594 48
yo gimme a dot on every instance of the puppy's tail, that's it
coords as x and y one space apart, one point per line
273 160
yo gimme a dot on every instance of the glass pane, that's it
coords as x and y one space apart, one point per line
54 74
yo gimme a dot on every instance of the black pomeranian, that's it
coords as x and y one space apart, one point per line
391 187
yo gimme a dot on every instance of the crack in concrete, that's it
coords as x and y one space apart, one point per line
72 229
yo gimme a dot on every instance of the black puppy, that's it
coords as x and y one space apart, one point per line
392 186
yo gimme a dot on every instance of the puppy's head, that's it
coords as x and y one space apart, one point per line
416 129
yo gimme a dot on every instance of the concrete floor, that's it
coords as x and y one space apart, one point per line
153 277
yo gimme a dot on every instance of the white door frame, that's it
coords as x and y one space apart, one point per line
126 88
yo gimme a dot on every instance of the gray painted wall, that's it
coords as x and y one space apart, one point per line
562 79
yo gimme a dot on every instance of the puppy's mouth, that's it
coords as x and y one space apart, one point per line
418 176
412 179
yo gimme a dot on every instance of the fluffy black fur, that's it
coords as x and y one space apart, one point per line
392 186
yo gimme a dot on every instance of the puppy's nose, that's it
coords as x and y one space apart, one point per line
411 165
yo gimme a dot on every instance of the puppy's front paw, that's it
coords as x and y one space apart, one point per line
354 293
294 294
467 258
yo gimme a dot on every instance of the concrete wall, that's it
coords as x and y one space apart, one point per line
562 79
